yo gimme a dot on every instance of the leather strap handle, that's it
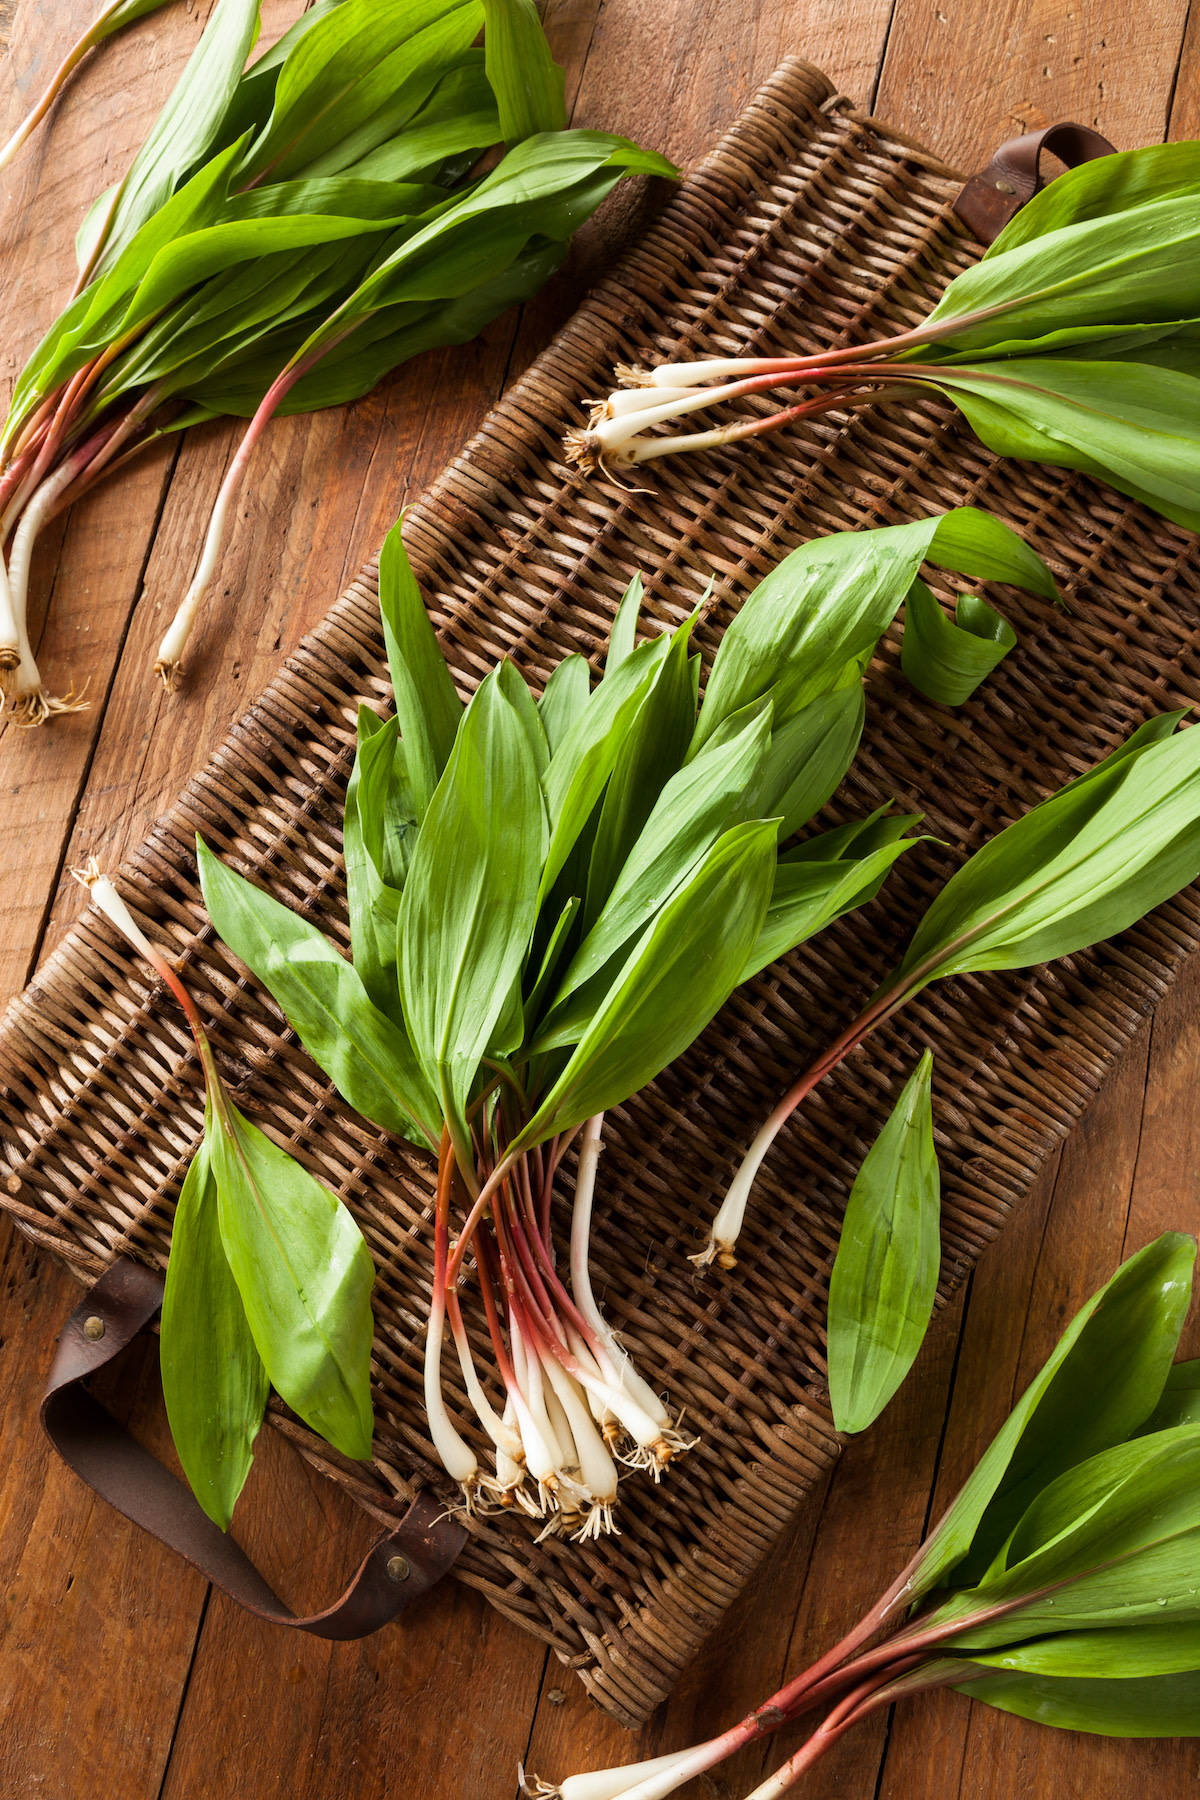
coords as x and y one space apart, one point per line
401 1567
1014 175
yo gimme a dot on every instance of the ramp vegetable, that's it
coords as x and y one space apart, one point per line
1074 341
287 234
1061 1584
549 901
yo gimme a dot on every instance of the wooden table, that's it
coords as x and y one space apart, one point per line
120 1675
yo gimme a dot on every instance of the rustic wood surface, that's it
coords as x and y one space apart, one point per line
120 1674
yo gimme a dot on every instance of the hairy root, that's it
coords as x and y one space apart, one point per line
582 448
534 1788
713 1253
598 1522
35 706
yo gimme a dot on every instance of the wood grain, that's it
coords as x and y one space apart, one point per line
118 1674
962 75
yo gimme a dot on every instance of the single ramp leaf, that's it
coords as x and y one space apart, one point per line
427 702
214 1382
526 80
470 902
884 1279
1145 1706
368 1058
947 659
305 1276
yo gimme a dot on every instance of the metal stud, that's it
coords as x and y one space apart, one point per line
94 1327
398 1568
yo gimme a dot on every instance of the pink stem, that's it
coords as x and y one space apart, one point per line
172 647
15 474
863 1700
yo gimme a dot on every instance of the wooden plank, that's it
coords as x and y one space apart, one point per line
963 77
447 1703
1184 112
445 1694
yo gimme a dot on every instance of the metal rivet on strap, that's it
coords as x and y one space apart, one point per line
398 1568
1005 187
94 1327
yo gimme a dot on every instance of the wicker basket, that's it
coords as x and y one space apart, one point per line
808 226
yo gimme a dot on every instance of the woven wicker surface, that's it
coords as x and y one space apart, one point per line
807 226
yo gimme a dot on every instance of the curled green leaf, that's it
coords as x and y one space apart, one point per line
947 660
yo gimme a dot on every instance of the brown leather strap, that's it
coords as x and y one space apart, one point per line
400 1568
1014 175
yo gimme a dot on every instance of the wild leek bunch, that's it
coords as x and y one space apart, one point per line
284 238
1063 1584
1074 341
549 900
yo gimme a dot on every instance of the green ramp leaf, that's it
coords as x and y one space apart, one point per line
305 1276
373 905
1179 1403
1129 423
884 1278
808 895
1077 869
944 660
586 754
526 80
1125 1650
1109 184
185 128
1112 1541
214 1382
652 752
367 61
807 757
829 602
694 808
427 702
471 898
1102 1380
564 698
368 1058
1147 1706
680 973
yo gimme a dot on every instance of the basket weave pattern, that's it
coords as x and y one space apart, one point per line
807 227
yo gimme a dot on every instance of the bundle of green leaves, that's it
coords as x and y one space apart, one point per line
287 235
1084 865
1074 341
1063 1584
549 900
